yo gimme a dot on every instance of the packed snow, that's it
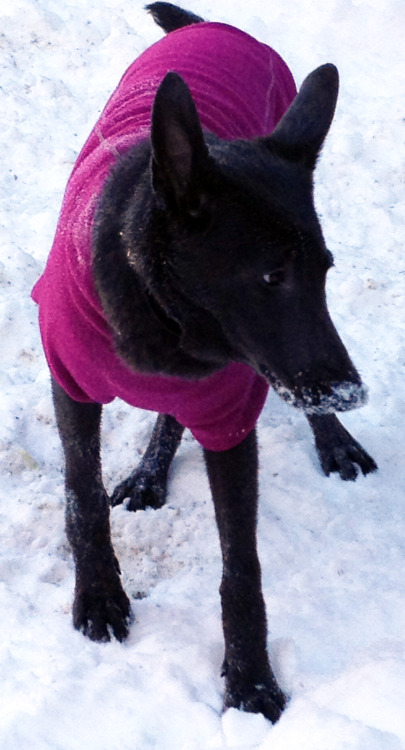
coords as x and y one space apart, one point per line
333 553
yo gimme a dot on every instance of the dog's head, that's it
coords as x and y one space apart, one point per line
244 249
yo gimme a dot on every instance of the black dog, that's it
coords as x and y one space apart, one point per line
209 252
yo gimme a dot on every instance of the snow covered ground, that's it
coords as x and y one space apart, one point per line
333 553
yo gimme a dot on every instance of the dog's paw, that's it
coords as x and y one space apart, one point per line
98 614
262 697
266 699
144 490
338 451
346 460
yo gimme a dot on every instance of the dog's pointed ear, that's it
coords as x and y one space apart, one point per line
179 152
303 128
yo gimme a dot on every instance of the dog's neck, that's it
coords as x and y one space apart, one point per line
156 328
151 341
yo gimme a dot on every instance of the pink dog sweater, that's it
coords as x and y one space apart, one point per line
241 89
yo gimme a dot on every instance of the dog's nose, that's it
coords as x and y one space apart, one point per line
321 397
333 397
334 385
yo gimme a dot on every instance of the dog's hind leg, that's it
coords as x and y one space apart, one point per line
337 449
249 680
100 602
147 485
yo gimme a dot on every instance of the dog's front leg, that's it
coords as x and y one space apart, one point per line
337 449
250 683
100 602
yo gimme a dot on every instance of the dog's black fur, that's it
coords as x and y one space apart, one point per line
226 263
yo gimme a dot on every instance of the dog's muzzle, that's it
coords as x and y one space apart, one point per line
322 399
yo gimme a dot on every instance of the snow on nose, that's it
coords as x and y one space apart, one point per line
322 399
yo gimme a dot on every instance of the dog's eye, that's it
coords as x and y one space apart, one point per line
275 278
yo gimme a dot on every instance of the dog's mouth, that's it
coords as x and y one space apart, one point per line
320 399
